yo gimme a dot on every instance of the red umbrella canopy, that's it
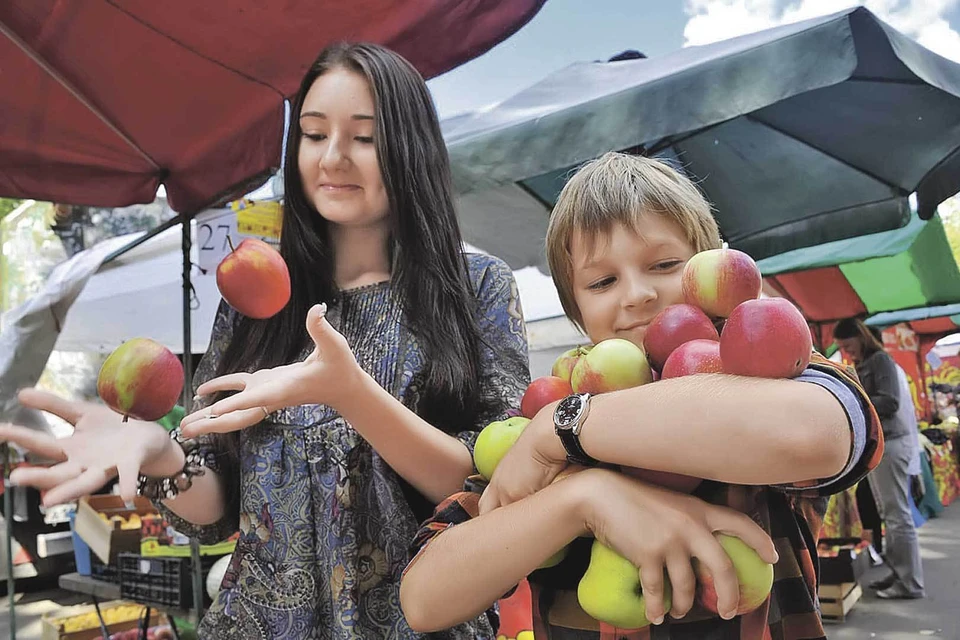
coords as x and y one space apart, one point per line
104 100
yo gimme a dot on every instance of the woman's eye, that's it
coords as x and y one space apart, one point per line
316 137
600 284
364 139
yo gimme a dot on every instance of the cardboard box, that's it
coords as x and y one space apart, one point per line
107 539
80 622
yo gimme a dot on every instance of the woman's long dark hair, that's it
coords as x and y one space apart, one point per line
429 271
855 328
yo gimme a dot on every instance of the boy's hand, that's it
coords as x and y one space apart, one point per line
660 532
530 465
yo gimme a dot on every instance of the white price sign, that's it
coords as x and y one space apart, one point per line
217 228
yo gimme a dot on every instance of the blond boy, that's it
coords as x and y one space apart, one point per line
770 451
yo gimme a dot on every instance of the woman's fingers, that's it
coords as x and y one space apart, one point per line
233 421
45 478
85 484
231 382
41 444
128 471
69 410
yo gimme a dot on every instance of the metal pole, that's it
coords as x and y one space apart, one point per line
196 568
136 243
8 525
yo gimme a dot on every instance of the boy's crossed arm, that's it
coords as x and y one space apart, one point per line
748 431
654 528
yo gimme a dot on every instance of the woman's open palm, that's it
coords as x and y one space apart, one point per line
322 378
100 448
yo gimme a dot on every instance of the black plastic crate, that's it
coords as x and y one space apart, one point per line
156 580
105 572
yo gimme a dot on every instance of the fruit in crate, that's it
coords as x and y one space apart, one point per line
611 365
542 392
566 361
720 279
696 356
494 442
610 592
754 575
254 279
672 327
766 338
141 379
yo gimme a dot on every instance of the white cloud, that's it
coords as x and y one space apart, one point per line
923 20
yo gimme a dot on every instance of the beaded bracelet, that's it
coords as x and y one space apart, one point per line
171 487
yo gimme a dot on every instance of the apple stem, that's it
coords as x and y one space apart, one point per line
125 418
230 242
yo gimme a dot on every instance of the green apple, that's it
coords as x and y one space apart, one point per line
556 558
494 442
754 575
610 590
611 365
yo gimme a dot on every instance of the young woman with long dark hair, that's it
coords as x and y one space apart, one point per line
348 427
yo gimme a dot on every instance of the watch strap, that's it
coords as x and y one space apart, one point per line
575 452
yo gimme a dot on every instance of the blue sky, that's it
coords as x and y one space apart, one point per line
568 31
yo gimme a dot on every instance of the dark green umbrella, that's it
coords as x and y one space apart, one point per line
799 135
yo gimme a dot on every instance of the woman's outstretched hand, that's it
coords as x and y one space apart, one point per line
100 448
329 374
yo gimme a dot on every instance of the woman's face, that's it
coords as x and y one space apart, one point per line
338 161
853 347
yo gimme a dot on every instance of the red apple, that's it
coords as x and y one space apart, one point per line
754 575
611 365
564 364
542 392
766 338
673 326
254 280
696 356
719 279
141 379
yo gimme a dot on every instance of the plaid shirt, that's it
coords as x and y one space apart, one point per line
792 516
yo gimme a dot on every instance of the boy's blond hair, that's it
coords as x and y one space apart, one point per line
621 188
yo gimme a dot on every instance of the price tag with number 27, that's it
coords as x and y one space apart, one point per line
243 219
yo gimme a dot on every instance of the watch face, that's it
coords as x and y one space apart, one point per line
567 411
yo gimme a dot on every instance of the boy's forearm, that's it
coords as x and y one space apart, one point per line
470 565
726 428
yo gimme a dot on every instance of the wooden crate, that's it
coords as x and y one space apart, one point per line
836 600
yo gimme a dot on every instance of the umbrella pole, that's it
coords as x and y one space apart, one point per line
186 242
8 525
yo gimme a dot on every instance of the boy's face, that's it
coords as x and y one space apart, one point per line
621 280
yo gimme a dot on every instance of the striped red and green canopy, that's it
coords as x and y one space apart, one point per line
912 268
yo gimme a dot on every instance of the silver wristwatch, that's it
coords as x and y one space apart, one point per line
568 420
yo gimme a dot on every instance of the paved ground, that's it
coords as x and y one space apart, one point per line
937 616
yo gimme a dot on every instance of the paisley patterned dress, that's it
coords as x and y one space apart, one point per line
325 524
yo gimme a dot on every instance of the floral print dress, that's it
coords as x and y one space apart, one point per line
325 523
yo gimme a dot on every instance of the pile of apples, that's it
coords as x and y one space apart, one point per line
759 337
143 379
